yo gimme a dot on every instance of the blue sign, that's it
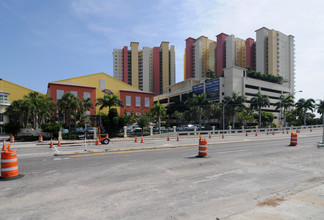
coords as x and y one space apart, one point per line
108 92
198 89
212 89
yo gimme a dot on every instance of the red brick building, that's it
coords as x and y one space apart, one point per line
135 101
56 91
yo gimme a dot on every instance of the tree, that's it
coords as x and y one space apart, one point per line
258 102
180 116
303 105
144 121
198 104
81 116
235 103
285 103
267 118
320 110
109 101
158 112
210 74
68 106
12 128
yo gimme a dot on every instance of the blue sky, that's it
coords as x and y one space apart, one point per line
43 41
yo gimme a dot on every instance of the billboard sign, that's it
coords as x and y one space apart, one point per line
198 89
212 89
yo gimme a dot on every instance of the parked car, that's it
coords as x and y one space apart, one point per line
90 130
79 130
137 129
182 128
134 128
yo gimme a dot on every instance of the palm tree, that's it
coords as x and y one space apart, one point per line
285 103
258 102
68 106
109 101
304 105
198 105
234 104
320 110
158 112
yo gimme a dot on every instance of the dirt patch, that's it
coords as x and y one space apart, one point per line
271 202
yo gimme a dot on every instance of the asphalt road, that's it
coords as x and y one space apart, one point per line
167 183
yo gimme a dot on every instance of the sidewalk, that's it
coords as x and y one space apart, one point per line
160 141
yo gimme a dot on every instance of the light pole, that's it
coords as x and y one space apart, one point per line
224 114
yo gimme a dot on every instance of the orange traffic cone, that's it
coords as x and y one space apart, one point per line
59 142
287 132
273 133
310 130
12 139
283 132
51 145
135 139
256 133
267 132
4 146
178 138
209 136
168 139
223 136
97 141
142 140
246 134
40 139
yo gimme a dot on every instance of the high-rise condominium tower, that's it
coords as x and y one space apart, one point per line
149 69
275 55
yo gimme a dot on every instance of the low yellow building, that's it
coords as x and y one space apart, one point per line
103 83
9 92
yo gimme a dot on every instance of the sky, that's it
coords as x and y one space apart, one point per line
44 41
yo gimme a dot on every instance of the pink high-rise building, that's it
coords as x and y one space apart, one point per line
220 53
250 52
189 57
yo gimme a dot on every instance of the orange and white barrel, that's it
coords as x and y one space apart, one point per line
202 152
12 139
9 164
293 139
40 139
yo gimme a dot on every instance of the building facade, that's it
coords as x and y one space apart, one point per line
272 53
235 80
97 85
9 92
275 55
149 69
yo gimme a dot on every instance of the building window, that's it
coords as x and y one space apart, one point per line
59 94
75 93
1 117
147 102
102 84
4 98
86 95
138 101
128 101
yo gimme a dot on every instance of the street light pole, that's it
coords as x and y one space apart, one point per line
224 114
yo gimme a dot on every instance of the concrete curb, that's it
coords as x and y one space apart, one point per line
163 146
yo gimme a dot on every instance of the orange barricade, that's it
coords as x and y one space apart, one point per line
12 139
293 139
9 163
202 152
40 139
